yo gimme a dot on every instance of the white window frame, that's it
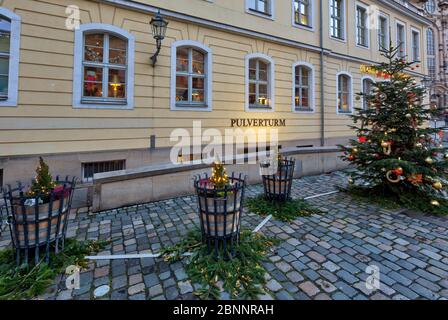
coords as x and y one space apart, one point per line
351 92
363 100
383 15
271 82
405 44
343 20
270 16
367 26
311 17
14 58
311 87
78 66
208 90
419 45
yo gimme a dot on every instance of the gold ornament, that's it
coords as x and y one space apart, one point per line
446 156
387 149
437 185
355 150
435 203
350 181
384 144
392 176
419 145
408 115
429 160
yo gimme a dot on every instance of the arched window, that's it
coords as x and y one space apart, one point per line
259 82
344 93
191 76
367 89
9 57
104 67
303 91
431 51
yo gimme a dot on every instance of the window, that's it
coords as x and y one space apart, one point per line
104 67
191 76
344 93
9 57
259 82
303 91
430 6
263 7
362 27
415 45
303 12
90 168
337 27
431 51
401 40
367 89
383 32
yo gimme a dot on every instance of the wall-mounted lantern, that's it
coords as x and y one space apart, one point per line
159 26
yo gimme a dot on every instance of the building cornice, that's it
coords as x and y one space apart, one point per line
399 7
146 8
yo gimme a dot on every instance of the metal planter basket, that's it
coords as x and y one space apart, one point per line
220 212
277 186
35 224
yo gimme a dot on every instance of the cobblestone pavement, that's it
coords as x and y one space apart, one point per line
320 257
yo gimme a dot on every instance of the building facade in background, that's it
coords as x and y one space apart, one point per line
437 49
89 100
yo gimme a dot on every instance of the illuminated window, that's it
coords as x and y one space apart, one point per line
303 87
303 12
260 80
104 67
191 76
367 89
344 100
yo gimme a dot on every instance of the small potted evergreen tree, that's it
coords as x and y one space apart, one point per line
38 214
220 200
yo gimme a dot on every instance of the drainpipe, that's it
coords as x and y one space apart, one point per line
322 81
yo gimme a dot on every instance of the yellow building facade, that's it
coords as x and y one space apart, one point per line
87 92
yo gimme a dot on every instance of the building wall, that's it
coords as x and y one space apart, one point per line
45 122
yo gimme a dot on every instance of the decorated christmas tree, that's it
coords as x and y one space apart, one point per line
43 182
219 176
396 153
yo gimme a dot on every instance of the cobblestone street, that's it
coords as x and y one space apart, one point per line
320 257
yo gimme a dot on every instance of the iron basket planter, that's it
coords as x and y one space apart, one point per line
277 184
36 222
220 213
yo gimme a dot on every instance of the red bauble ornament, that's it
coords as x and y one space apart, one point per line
362 139
398 171
351 157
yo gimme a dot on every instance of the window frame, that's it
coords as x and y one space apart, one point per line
78 74
270 15
366 27
405 44
270 85
311 87
208 90
363 100
387 34
350 100
309 27
342 19
14 58
419 45
431 54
